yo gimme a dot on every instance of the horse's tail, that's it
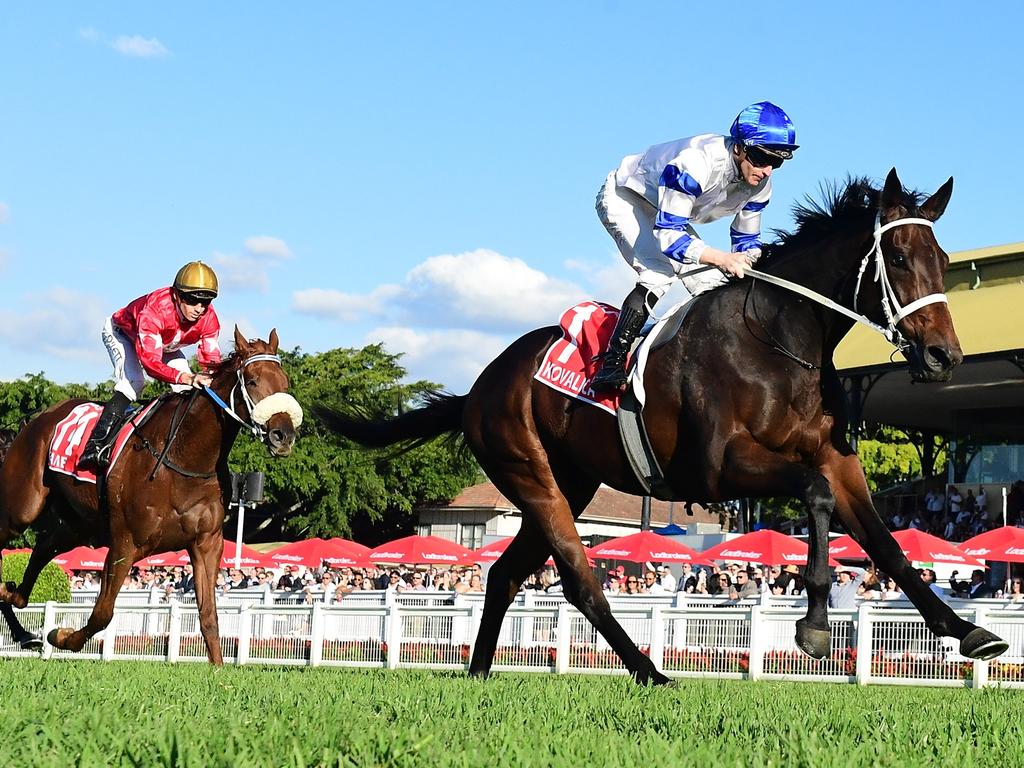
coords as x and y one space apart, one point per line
441 415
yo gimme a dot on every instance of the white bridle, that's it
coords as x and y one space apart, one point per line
891 307
260 413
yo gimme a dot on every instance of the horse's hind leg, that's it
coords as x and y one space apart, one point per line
853 503
118 563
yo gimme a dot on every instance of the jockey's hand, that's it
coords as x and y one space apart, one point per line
733 264
201 380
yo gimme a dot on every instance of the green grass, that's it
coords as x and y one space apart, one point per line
137 714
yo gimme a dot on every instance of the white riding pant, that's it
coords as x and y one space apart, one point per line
129 377
629 219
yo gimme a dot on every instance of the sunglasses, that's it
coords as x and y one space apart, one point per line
760 159
194 301
631 581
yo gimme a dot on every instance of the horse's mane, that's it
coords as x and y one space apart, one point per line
227 364
842 207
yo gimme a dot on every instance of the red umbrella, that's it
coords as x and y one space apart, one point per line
764 546
1004 544
164 559
922 547
412 550
82 559
489 553
251 558
845 548
313 552
646 546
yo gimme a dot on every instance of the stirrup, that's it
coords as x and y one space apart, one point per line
609 379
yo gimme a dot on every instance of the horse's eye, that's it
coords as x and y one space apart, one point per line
252 382
899 259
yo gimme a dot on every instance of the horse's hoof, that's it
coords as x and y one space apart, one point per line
982 645
816 643
58 637
31 643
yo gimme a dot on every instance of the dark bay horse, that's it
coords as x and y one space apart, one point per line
743 402
153 504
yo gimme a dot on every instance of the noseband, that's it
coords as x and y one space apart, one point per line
256 427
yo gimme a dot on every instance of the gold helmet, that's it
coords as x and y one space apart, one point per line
196 279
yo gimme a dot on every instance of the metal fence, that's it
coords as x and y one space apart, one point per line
877 643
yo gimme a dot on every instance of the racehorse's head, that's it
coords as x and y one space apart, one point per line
915 265
264 390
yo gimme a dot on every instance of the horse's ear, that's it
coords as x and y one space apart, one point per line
273 341
241 345
892 192
935 205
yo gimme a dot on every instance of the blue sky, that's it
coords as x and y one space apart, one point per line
424 174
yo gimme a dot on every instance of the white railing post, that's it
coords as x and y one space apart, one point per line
316 635
657 648
393 629
980 677
110 638
244 635
758 633
563 634
49 623
865 622
476 616
174 633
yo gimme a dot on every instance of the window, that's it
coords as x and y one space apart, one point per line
471 535
423 529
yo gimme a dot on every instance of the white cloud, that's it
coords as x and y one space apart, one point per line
345 307
248 271
62 323
89 33
452 358
267 246
139 47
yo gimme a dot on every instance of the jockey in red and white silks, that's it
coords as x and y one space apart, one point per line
148 335
649 202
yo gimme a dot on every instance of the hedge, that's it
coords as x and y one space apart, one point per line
52 584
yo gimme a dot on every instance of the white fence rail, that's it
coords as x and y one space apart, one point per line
873 644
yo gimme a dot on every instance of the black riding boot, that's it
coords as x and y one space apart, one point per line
95 455
631 319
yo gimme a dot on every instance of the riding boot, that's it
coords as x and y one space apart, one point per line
634 313
95 455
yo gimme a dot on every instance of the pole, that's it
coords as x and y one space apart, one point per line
645 514
238 534
1004 505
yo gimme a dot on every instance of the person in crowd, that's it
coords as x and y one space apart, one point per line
632 585
719 584
929 578
745 586
476 583
972 590
394 581
651 585
237 579
1016 593
890 589
667 579
414 584
981 501
843 593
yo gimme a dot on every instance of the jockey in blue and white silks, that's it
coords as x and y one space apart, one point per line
649 202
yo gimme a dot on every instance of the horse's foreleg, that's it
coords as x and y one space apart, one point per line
525 554
858 514
750 469
206 552
118 563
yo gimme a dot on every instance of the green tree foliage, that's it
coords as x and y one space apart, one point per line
53 583
329 486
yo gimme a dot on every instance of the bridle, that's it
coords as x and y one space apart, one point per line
257 428
893 311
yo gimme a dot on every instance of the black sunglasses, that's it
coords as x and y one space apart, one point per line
759 158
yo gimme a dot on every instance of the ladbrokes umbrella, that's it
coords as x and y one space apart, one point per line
645 547
164 559
250 558
314 552
1004 544
764 546
82 559
414 550
918 546
489 553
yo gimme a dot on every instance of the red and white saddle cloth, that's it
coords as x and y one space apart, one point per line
569 364
72 433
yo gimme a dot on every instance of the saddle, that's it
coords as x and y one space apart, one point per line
72 433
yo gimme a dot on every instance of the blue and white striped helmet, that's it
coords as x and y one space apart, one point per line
765 125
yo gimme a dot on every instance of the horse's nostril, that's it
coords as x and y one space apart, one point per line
277 435
939 359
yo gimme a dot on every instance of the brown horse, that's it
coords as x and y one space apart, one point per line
743 402
165 493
